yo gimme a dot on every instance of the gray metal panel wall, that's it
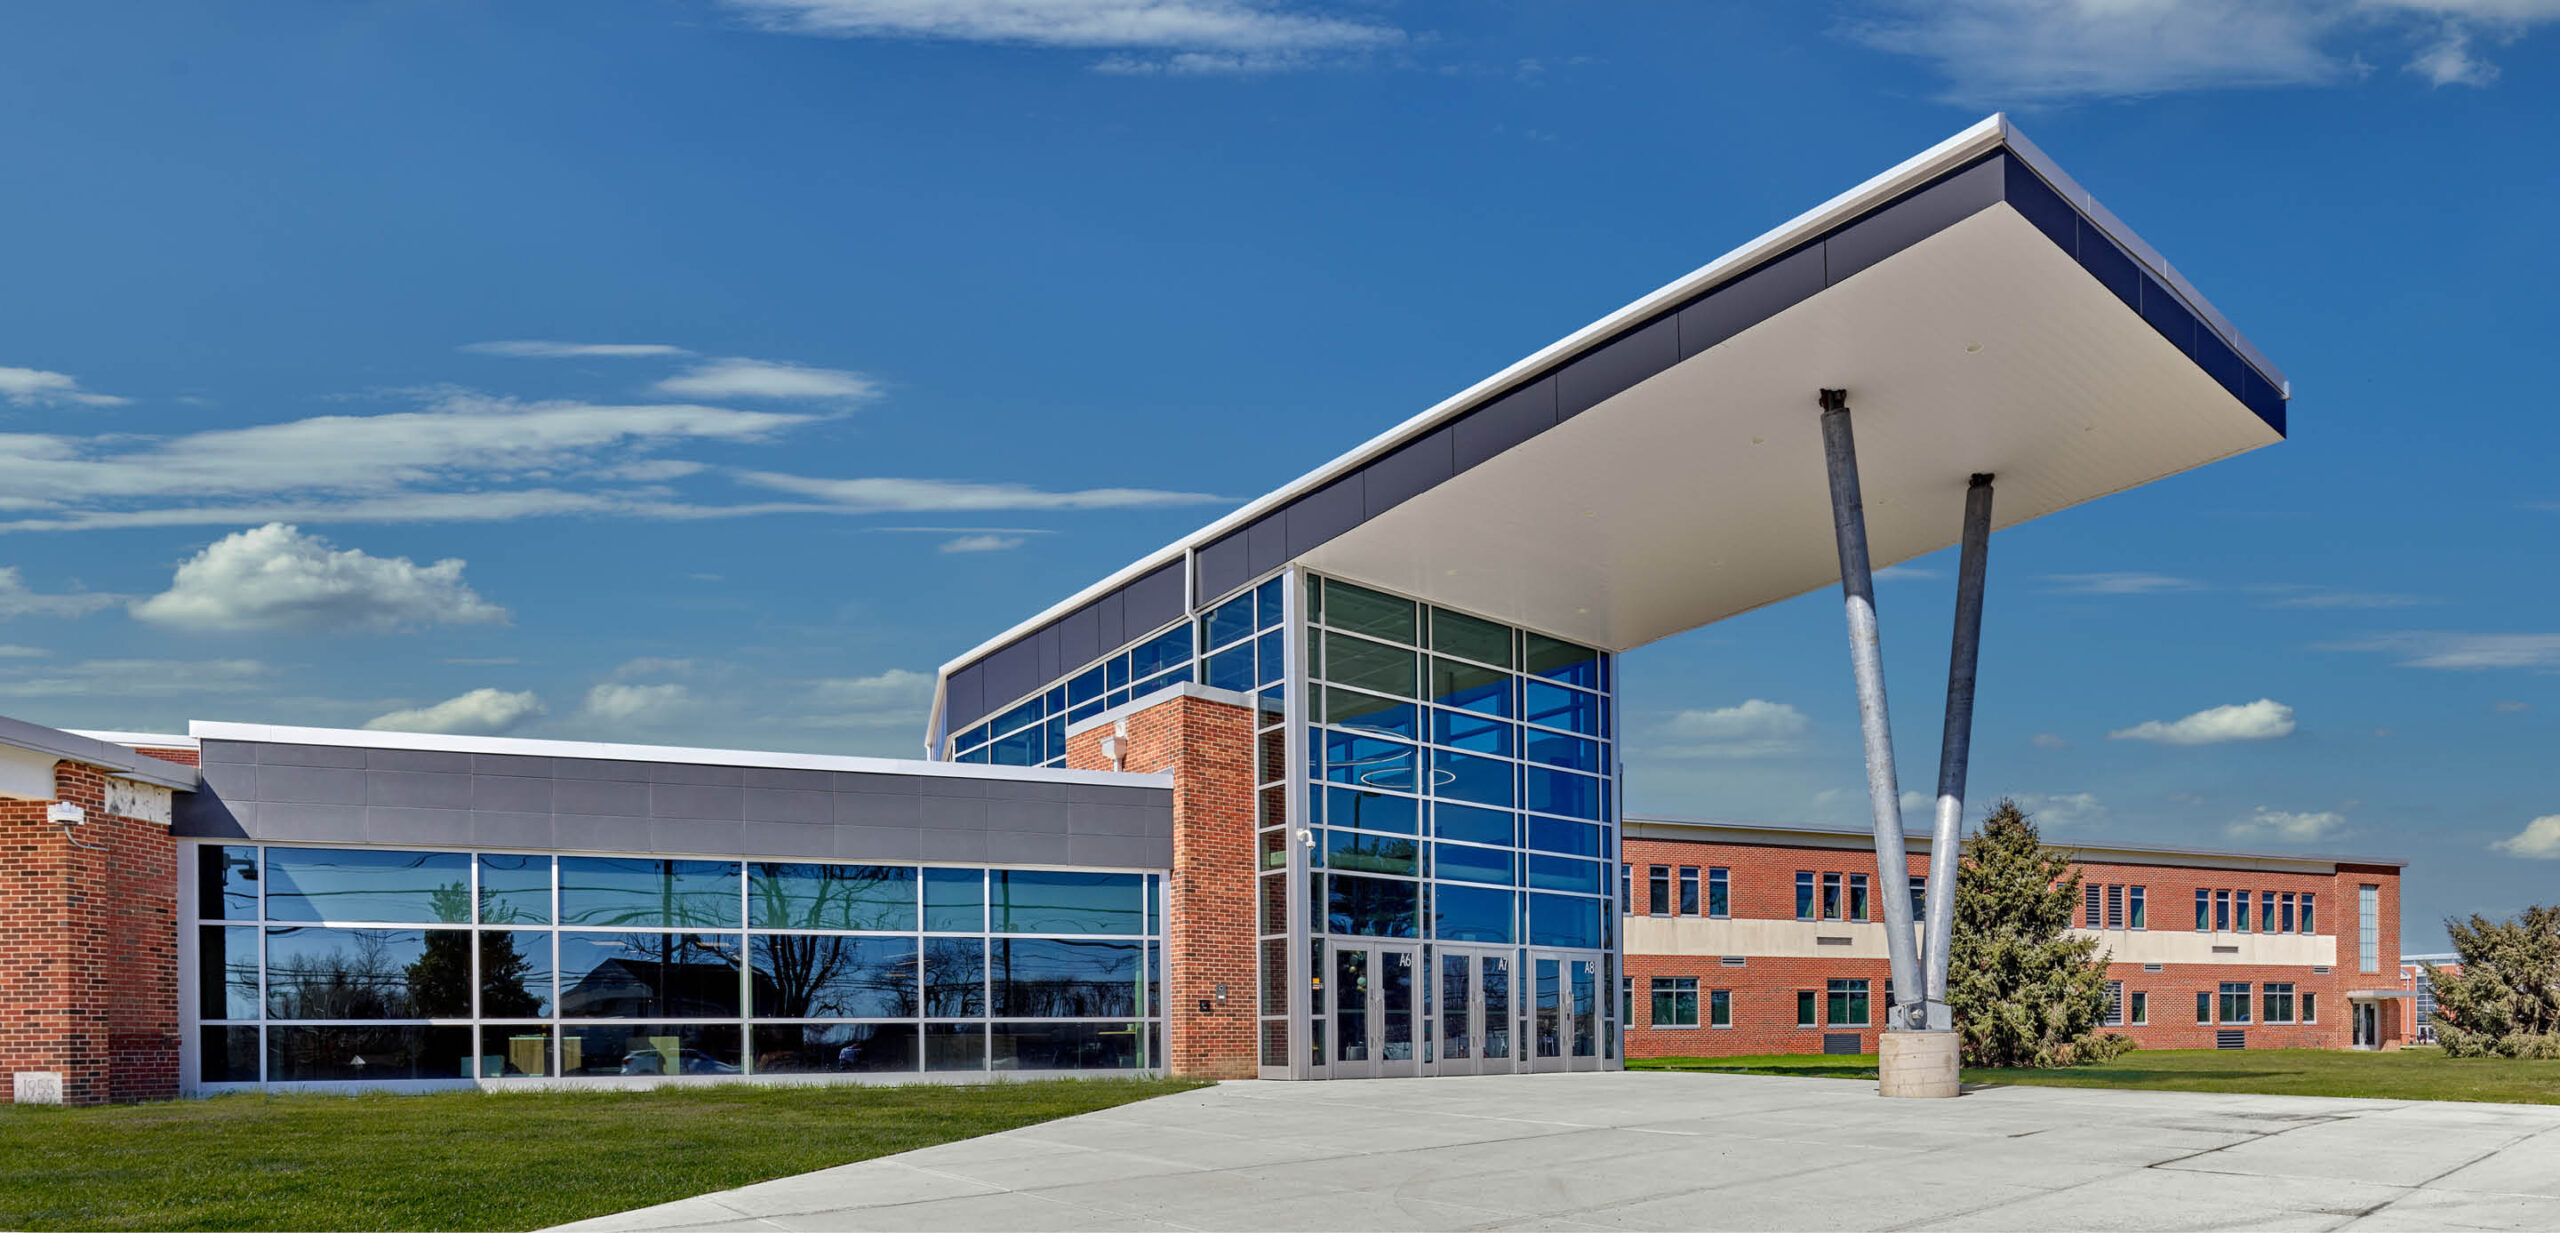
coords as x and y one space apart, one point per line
349 795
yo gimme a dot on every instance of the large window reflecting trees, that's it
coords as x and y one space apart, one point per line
374 965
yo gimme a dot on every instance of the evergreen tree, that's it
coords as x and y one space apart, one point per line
2022 991
2505 1002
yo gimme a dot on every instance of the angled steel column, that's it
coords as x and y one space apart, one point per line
1955 747
1866 657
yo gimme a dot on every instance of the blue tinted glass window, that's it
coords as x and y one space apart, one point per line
1476 733
1272 669
1369 665
1176 676
1562 792
597 890
955 978
1059 901
1562 708
955 900
648 975
1473 825
1054 738
1562 920
1566 874
1455 633
1371 811
1368 761
1372 907
794 896
1389 716
1369 612
1471 914
1557 749
515 973
1470 688
1228 622
1086 711
361 884
1171 647
1115 673
1057 699
835 1048
1266 604
1467 777
227 972
1571 838
515 889
1558 660
1028 712
817 976
1020 749
368 973
1039 978
1086 687
1231 669
1353 852
1467 864
227 885
975 755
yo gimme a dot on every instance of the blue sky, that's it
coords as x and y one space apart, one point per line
708 372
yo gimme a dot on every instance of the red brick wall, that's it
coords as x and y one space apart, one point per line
1209 926
1764 988
90 964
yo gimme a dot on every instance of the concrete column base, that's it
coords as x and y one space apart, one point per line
1920 1065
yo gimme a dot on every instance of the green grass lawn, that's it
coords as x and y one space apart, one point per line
475 1160
2410 1074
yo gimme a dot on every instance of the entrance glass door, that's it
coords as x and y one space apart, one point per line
2367 1022
1377 1027
1472 1006
1564 1011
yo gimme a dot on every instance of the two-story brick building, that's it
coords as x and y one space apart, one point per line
1744 938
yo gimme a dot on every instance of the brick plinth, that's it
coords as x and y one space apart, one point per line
1209 927
89 963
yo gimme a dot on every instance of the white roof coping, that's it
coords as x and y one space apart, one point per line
277 734
1919 840
148 740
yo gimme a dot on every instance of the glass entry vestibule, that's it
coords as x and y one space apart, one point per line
1394 1009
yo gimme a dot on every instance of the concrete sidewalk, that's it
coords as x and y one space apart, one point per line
1673 1151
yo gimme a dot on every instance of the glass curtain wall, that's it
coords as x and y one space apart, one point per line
371 965
1459 788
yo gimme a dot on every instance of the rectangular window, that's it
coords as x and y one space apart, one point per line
2308 925
1626 1000
2276 998
1857 896
1720 1008
2141 1008
2134 918
2310 1007
1626 888
2288 911
2267 912
1808 1003
2115 1003
1657 886
2240 918
1848 1000
2222 911
1675 1001
2235 1001
2115 906
2204 1007
2089 917
2369 928
2204 910
1720 893
1831 896
1688 890
1804 896
1919 899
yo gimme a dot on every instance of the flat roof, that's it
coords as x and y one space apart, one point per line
89 750
366 738
1660 469
1918 840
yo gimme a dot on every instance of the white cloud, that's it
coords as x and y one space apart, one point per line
13 651
138 678
744 378
896 698
2284 826
2461 652
618 703
1907 573
480 712
2539 840
2285 595
2510 706
2264 719
930 496
16 600
546 349
2025 51
1176 36
2056 810
2118 584
275 577
2048 740
34 387
981 543
1754 729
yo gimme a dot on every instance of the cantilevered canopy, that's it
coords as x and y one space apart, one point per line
1662 469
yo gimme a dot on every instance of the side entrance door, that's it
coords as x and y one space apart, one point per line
1473 1008
1564 1010
1376 998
